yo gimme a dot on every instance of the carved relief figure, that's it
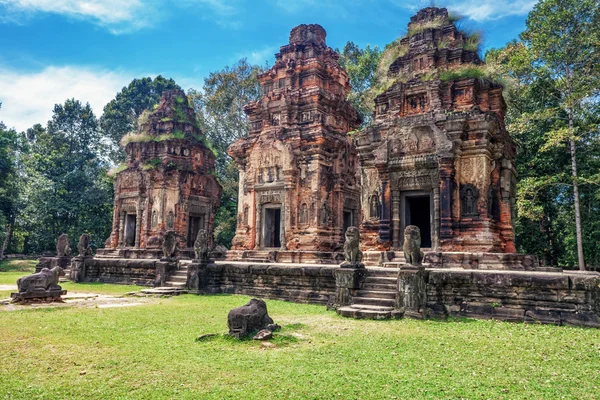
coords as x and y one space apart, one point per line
170 220
469 196
303 217
374 206
154 218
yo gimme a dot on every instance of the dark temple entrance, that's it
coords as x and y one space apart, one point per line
272 227
130 228
195 223
417 211
348 218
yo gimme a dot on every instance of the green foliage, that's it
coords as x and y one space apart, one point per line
121 114
418 27
220 111
67 189
114 353
361 66
153 163
538 118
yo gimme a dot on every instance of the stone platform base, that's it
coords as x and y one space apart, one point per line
140 254
41 296
285 256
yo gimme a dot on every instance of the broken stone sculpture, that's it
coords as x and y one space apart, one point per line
41 286
249 318
62 246
352 253
201 246
169 246
412 245
83 247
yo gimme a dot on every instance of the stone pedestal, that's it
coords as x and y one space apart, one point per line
347 282
164 267
197 276
412 291
78 269
50 262
39 296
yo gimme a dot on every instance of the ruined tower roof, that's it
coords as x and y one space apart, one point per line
432 32
173 118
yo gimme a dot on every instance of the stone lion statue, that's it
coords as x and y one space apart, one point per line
169 246
352 253
46 279
62 246
412 245
201 245
83 247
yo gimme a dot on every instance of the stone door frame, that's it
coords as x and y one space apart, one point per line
432 209
262 231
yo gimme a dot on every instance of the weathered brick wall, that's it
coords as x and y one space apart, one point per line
122 271
551 298
306 284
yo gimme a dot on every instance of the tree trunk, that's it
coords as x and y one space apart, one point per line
580 259
7 239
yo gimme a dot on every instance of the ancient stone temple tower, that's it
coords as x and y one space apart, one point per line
298 167
438 154
168 183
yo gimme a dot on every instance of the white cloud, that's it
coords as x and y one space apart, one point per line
485 10
259 57
118 16
29 97
477 10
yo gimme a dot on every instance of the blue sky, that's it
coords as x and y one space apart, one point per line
51 50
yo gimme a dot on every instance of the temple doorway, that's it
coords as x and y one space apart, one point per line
272 226
418 212
195 223
348 219
130 228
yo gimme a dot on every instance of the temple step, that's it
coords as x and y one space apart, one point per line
374 301
360 313
376 294
176 284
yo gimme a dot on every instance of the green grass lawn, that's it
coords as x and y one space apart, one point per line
150 352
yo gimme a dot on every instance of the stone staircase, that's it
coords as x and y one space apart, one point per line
377 297
178 278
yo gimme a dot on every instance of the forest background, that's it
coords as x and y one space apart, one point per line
58 177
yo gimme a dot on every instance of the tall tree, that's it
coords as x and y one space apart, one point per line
9 185
66 191
564 38
220 110
121 114
361 65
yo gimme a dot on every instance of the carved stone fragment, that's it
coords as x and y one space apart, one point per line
249 318
412 245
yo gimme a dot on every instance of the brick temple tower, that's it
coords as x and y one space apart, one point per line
438 154
168 183
298 167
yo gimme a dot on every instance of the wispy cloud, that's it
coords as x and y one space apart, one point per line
485 10
260 56
29 97
117 16
120 16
